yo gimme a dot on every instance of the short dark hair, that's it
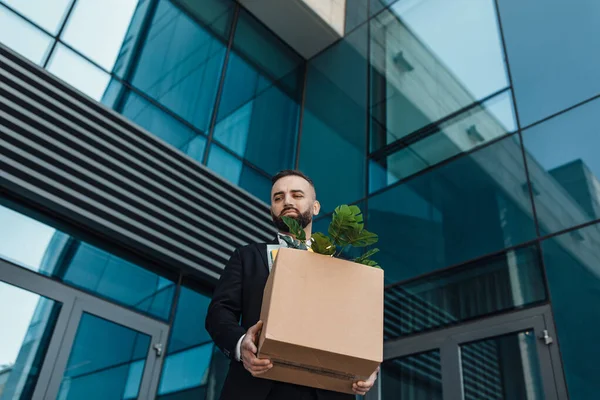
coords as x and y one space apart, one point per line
291 172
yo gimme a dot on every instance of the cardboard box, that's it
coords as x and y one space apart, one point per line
323 321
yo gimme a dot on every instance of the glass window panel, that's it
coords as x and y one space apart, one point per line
156 121
48 14
235 171
193 364
552 68
195 148
78 72
504 367
357 13
413 377
475 127
22 36
497 283
249 130
333 142
97 28
472 206
28 321
101 360
425 74
259 108
41 248
573 268
179 64
272 57
216 14
564 168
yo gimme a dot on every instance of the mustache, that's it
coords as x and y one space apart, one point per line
288 209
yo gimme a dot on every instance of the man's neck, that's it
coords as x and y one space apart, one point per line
307 231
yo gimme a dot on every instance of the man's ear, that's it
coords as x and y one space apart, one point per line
316 207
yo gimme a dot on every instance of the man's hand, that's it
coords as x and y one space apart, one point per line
362 387
248 352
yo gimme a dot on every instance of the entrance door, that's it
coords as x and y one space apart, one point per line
507 357
61 343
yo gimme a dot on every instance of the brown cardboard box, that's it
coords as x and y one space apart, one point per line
322 321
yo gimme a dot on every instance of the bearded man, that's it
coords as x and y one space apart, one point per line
238 297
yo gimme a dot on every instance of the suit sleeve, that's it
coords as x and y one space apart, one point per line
224 311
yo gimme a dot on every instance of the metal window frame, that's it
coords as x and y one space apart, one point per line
448 342
74 304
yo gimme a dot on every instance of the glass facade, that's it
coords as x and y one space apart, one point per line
466 131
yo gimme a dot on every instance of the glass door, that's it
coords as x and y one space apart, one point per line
57 342
507 357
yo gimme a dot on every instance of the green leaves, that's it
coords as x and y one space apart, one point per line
322 244
295 228
347 228
365 259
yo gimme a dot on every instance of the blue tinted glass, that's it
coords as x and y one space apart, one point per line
195 148
473 290
235 171
255 121
156 121
179 65
259 108
357 13
333 141
572 264
78 72
43 249
192 365
552 48
106 361
472 206
420 74
217 15
564 167
413 377
28 322
48 14
88 29
480 124
23 37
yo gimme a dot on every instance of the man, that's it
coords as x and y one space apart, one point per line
239 295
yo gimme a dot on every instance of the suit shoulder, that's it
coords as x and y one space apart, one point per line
250 247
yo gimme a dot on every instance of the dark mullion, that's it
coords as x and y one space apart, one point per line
59 33
217 102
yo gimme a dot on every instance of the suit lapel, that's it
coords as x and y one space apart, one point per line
262 248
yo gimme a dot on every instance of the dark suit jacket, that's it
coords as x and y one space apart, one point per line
238 295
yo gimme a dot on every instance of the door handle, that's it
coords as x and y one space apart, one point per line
158 348
546 337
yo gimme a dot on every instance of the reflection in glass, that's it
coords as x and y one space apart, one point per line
564 166
97 28
194 368
422 74
27 321
573 267
413 377
473 206
334 121
495 284
45 250
546 81
156 121
78 72
504 367
106 361
237 172
179 64
23 37
48 14
259 108
473 128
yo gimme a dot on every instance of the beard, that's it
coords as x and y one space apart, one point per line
303 219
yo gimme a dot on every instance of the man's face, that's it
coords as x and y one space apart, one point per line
292 196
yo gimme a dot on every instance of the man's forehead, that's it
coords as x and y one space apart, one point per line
291 183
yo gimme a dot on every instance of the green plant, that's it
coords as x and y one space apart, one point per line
345 230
